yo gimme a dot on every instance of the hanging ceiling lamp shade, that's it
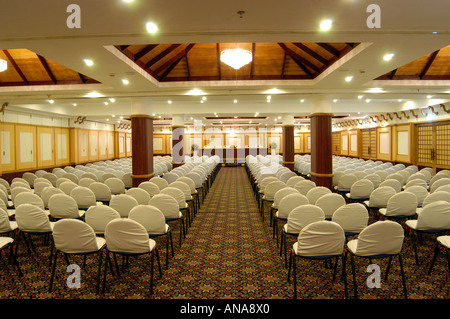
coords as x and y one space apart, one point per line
3 65
236 58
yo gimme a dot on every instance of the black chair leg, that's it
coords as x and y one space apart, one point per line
355 291
53 271
403 276
436 253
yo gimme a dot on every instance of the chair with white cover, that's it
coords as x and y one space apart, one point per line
400 206
198 180
107 175
438 183
320 240
116 185
269 195
62 206
304 186
294 180
395 184
315 193
75 237
443 188
17 190
286 205
170 177
352 217
139 194
433 219
436 196
49 192
382 239
128 238
99 216
279 195
345 183
329 203
67 187
127 180
186 189
375 179
416 182
84 197
170 208
159 181
123 203
297 219
29 177
85 181
7 242
180 197
194 192
74 178
30 198
151 188
90 175
379 198
31 220
101 191
360 190
51 178
154 222
420 192
261 187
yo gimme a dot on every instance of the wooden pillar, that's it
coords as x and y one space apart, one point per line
321 143
142 141
288 141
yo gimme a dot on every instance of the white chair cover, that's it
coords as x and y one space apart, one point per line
101 191
31 218
315 193
160 182
329 203
128 236
99 216
139 194
151 188
321 238
379 238
280 194
301 216
64 206
83 196
123 203
75 236
434 216
403 203
304 186
167 204
361 189
289 202
151 218
353 218
116 185
380 196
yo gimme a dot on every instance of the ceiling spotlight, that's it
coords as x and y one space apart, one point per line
93 94
113 115
74 104
125 81
169 101
235 101
51 101
151 27
348 78
326 25
302 100
429 96
106 103
368 100
388 56
204 98
88 62
111 99
121 117
360 96
335 100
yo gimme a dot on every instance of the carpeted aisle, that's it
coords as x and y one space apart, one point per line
228 252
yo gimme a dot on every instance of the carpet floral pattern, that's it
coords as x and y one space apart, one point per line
228 252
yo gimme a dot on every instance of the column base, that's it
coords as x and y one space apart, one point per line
137 179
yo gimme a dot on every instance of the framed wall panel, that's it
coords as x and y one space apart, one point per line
121 147
384 143
307 141
110 147
7 147
402 143
83 146
353 139
26 147
93 145
275 138
45 146
336 143
159 144
62 151
102 145
298 143
344 143
128 141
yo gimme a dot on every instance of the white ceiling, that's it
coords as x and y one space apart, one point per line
407 29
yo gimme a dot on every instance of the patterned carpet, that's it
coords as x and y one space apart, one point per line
228 253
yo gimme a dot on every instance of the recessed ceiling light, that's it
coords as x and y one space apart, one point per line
235 101
302 100
121 117
113 115
51 101
326 24
368 100
127 1
107 119
151 27
435 32
335 100
375 90
204 98
273 91
125 81
195 92
348 78
169 101
429 96
400 100
93 94
74 104
106 103
111 99
360 96
388 56
88 62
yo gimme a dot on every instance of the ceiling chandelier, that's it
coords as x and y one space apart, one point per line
236 58
3 65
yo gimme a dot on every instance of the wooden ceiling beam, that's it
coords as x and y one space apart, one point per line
16 67
312 53
219 71
299 60
161 55
330 49
47 68
392 74
172 63
429 63
252 66
144 51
